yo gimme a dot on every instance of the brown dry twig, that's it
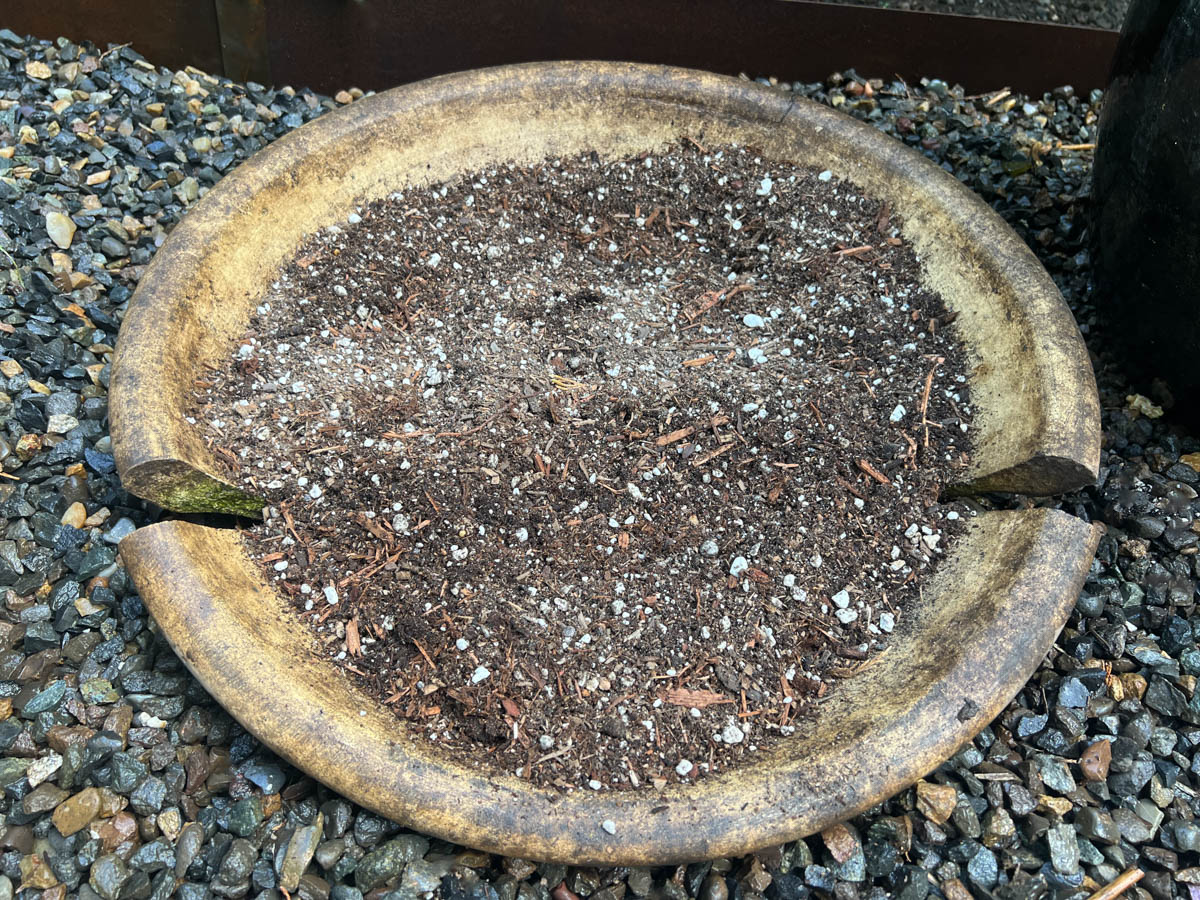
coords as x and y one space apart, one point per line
1119 885
708 300
873 472
680 433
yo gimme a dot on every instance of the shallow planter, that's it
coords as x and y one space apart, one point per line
985 621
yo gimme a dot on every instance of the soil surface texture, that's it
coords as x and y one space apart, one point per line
601 471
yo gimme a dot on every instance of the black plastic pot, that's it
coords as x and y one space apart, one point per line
1146 224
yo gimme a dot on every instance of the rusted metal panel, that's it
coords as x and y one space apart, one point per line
330 44
167 32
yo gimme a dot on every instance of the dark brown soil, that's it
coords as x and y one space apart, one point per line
601 472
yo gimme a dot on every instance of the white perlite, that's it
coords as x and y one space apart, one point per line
758 357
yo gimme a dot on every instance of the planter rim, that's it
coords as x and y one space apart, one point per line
986 621
1037 411
988 617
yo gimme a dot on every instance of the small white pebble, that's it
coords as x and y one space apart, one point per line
731 734
480 674
609 825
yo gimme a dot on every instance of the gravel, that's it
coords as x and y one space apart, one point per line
123 780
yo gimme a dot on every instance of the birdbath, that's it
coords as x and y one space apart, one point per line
984 622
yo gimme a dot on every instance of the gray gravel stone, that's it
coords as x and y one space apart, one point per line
384 864
108 875
1064 849
983 869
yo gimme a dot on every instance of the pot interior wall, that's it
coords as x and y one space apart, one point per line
1030 420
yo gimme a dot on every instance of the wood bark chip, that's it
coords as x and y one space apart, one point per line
696 699
712 454
707 301
372 526
873 472
680 433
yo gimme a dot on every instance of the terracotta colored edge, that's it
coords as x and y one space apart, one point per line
150 435
989 617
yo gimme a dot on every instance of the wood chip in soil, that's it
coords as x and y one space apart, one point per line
601 472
